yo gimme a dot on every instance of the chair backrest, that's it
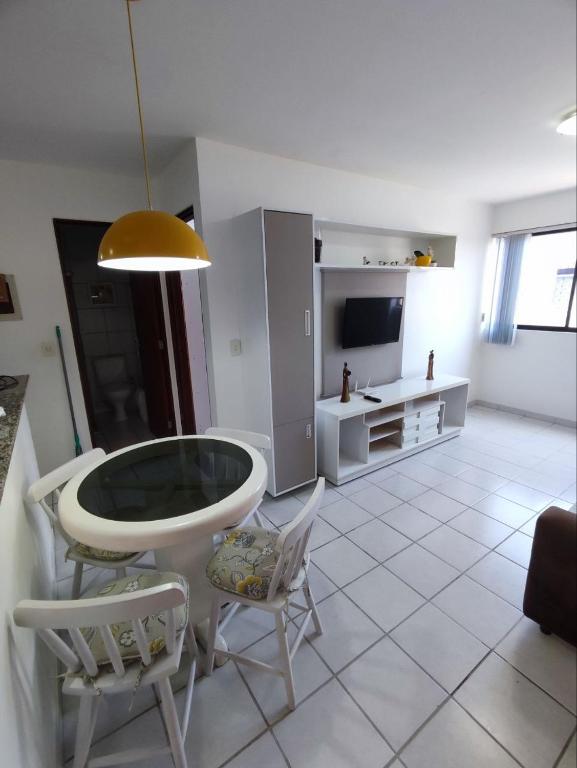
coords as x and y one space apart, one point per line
48 616
255 439
292 543
51 483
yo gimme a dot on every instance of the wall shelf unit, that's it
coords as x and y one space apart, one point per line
345 246
359 436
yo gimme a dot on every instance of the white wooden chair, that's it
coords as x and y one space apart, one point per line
275 569
254 439
93 625
47 489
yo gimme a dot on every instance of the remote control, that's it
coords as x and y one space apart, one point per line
373 399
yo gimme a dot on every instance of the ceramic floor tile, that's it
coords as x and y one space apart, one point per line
375 500
330 730
527 497
570 494
508 512
329 495
444 463
480 527
342 561
529 528
263 753
384 597
517 548
404 487
322 533
393 691
479 611
486 480
268 689
353 486
438 644
213 735
545 659
438 505
246 627
459 490
452 739
569 759
552 485
378 539
344 515
320 584
381 474
524 719
347 631
501 576
422 570
410 521
454 548
281 509
422 473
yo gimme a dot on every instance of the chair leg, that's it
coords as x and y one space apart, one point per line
285 659
312 606
77 580
212 632
85 729
258 519
171 722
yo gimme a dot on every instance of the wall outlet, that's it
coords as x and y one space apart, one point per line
235 347
48 348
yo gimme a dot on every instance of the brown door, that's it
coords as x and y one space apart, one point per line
151 333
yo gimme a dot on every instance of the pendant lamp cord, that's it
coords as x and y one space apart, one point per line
139 104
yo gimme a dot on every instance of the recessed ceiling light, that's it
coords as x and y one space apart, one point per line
568 126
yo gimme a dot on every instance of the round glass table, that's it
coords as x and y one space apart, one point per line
169 495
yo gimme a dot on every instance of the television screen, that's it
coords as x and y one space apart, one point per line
372 321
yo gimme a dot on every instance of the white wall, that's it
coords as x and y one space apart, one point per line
536 374
444 310
28 675
31 196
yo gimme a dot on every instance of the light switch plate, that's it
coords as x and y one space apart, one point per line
235 347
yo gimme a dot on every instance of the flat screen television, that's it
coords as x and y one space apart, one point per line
372 321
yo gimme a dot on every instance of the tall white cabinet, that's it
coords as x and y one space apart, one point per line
277 328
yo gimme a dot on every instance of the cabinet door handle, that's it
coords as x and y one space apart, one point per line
308 431
307 322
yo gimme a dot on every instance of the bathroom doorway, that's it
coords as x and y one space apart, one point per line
120 340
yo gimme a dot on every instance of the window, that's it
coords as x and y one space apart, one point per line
546 297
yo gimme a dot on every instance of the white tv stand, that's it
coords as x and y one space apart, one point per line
359 436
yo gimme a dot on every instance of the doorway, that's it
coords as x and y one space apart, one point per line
120 339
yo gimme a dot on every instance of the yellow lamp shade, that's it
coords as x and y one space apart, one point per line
152 241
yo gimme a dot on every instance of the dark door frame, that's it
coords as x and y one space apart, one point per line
180 342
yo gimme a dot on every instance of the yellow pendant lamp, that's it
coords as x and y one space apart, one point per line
150 241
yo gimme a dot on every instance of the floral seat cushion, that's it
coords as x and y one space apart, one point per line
83 550
245 562
154 625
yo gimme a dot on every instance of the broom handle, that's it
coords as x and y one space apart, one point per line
77 446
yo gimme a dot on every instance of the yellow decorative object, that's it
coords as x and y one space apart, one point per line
423 261
151 241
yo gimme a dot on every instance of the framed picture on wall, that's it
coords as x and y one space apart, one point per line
9 304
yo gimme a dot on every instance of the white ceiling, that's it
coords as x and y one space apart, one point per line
457 95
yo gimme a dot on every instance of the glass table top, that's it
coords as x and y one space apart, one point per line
164 480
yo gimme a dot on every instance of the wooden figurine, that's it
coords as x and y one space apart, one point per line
345 394
429 376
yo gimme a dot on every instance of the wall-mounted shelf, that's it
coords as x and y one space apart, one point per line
376 268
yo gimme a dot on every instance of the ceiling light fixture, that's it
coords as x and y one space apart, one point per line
150 241
568 126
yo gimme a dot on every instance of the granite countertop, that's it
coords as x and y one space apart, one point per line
12 400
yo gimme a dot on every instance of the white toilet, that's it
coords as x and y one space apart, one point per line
113 383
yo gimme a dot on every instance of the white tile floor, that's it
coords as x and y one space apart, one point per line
426 662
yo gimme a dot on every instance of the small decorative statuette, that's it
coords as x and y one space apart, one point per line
429 376
345 395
